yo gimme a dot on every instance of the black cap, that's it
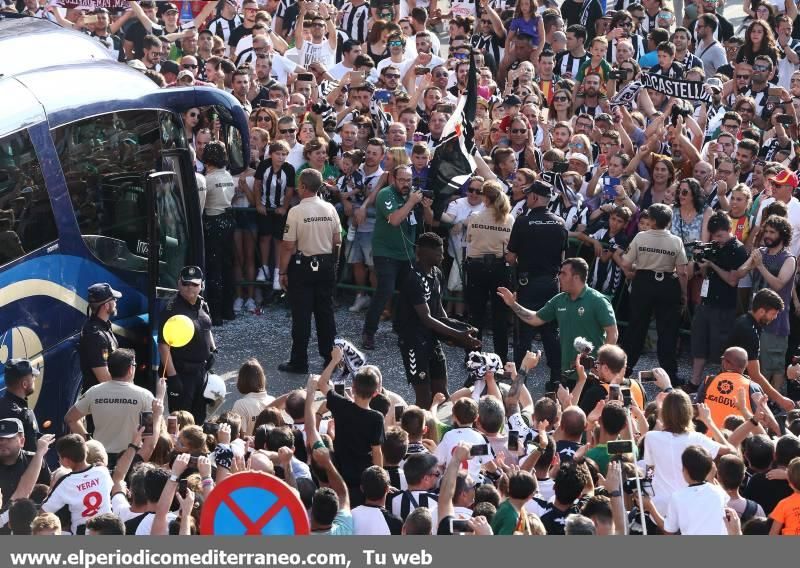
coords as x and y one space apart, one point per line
604 116
147 3
512 100
102 292
169 7
10 427
192 274
18 368
169 67
540 187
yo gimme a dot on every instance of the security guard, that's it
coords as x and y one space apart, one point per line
659 259
720 392
97 340
20 378
488 232
311 240
187 366
536 247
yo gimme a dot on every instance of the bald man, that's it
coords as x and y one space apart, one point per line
569 433
720 392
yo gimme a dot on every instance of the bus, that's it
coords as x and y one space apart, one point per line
96 185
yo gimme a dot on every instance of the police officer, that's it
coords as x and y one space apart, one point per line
20 378
97 340
488 232
536 247
187 366
659 259
311 240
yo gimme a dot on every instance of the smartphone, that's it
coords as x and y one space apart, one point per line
339 389
146 421
479 450
785 119
382 95
193 461
459 526
646 377
626 396
270 104
551 395
609 186
421 70
356 77
90 19
620 447
172 425
420 137
614 392
398 413
183 485
210 428
446 108
513 440
305 77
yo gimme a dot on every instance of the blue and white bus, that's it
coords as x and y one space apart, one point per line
95 173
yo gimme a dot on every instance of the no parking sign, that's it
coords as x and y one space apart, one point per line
253 503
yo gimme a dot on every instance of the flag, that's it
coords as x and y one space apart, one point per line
452 163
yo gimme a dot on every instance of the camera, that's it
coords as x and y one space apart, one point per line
588 362
618 74
428 193
609 246
320 107
704 251
679 111
617 447
210 428
785 119
629 486
560 167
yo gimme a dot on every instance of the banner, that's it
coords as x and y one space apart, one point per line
94 4
691 90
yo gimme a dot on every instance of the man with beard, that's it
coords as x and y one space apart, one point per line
590 101
20 378
97 340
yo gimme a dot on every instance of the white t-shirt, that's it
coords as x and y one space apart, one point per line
318 52
471 436
339 70
281 68
663 451
460 209
86 493
697 510
295 157
369 520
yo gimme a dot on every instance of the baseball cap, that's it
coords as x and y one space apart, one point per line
170 7
512 100
578 157
18 368
147 3
714 83
785 177
102 292
540 187
10 427
185 73
604 116
192 274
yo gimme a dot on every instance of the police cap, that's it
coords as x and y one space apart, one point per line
192 274
18 368
540 187
10 427
102 292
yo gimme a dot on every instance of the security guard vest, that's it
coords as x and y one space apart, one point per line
637 393
719 394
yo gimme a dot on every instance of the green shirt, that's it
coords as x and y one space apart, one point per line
602 458
387 240
587 316
505 519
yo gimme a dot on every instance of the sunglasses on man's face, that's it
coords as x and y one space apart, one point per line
760 68
288 130
189 66
743 77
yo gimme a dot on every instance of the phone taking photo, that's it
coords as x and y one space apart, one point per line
513 440
479 450
459 526
146 422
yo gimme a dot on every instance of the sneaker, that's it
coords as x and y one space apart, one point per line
262 274
365 300
276 281
237 305
250 306
362 301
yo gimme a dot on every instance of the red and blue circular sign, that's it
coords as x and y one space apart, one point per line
253 503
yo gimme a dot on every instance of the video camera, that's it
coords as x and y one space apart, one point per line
704 251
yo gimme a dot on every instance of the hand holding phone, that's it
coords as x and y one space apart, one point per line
479 450
146 422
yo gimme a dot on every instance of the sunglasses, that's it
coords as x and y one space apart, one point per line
440 75
475 190
395 44
288 130
494 130
317 25
578 145
392 76
193 115
743 76
519 130
263 119
188 66
560 99
685 192
761 68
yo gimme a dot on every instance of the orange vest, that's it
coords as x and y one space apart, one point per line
720 395
637 393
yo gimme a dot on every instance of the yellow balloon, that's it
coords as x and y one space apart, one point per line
178 331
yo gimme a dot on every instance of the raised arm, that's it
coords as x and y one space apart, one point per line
31 475
447 488
526 315
323 458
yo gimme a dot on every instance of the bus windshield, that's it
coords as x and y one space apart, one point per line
105 160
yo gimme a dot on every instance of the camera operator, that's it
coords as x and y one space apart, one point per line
660 262
609 369
536 247
716 313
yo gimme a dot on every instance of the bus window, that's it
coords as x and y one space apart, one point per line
26 216
105 160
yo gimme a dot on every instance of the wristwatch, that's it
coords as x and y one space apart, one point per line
135 447
173 477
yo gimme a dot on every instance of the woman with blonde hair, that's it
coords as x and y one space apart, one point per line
487 238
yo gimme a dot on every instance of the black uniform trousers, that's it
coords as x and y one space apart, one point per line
483 279
311 293
220 278
656 293
193 377
533 293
